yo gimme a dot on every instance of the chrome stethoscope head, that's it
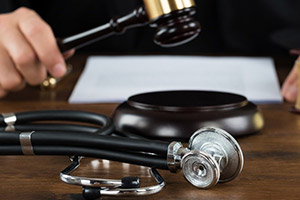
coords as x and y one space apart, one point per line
213 156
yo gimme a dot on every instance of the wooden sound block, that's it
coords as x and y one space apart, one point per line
177 115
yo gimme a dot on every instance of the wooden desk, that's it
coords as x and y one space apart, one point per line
271 170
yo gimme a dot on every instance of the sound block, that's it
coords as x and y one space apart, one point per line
169 115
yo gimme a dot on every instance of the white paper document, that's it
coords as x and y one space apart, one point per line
108 79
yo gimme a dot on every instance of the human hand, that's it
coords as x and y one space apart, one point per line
290 86
28 50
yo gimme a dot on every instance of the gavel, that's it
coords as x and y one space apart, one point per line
172 18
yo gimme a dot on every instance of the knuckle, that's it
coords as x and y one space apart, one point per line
33 26
24 11
24 58
33 29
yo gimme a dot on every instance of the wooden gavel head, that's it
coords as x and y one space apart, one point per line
172 18
174 21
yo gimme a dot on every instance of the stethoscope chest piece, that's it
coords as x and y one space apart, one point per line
200 169
221 152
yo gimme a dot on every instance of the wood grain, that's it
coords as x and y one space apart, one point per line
271 170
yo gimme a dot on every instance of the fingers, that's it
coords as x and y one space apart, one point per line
290 86
291 93
69 54
295 51
27 50
291 78
40 36
24 57
10 79
2 92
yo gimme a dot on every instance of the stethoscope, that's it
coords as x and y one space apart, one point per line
212 154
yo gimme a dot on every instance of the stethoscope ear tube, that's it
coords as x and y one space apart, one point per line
74 128
134 151
103 123
87 140
49 141
120 156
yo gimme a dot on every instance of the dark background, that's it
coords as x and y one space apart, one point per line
228 26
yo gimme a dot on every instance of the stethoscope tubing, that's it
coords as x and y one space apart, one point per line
91 138
65 115
148 160
102 121
77 139
56 127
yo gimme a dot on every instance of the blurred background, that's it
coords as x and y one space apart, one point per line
258 27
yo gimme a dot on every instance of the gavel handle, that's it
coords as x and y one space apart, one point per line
119 25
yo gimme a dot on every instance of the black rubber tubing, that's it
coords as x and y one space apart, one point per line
64 115
55 127
46 138
131 158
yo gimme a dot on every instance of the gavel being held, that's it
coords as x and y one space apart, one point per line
172 18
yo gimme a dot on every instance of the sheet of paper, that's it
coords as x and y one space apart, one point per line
115 78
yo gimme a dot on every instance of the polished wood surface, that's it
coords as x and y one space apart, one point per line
272 157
